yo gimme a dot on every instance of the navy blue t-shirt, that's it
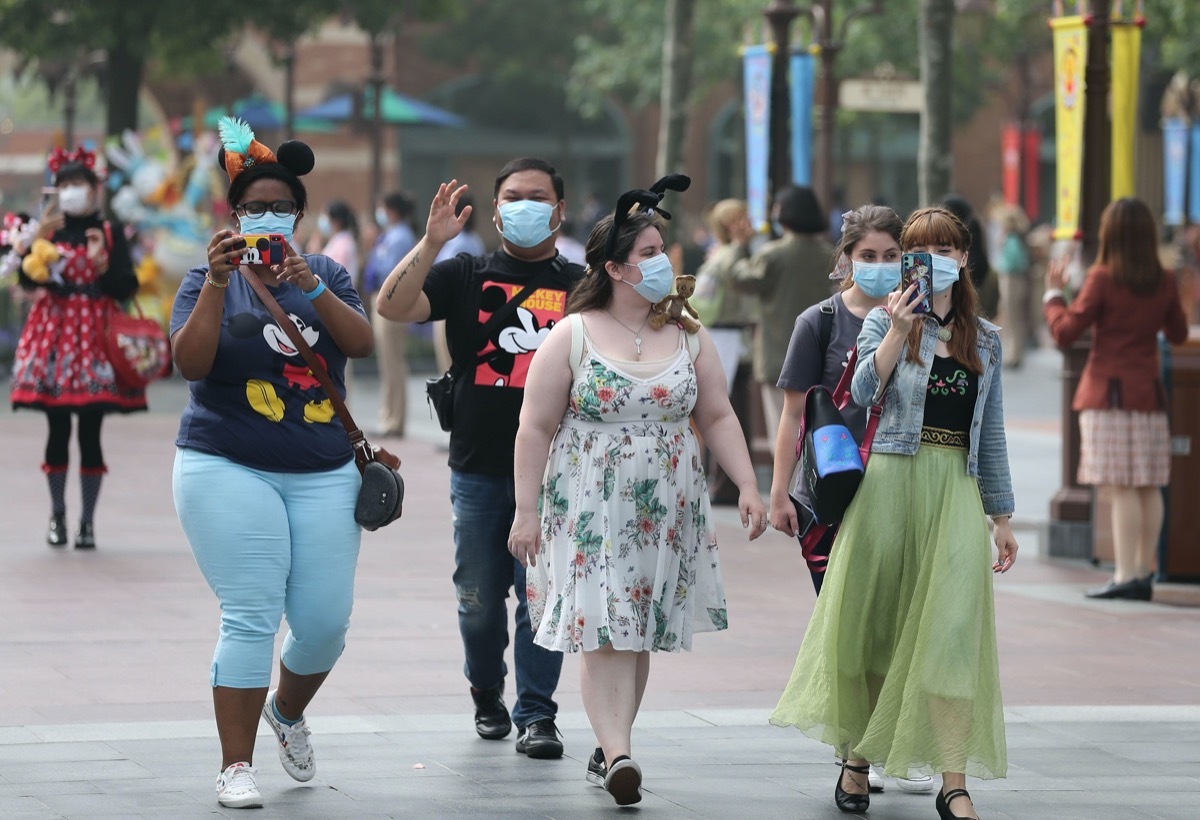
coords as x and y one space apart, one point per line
260 405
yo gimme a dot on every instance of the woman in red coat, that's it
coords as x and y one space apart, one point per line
1124 436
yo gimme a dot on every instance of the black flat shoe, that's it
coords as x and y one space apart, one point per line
56 533
85 536
492 720
847 802
942 803
1132 590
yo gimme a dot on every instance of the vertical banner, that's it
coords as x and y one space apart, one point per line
1031 159
756 68
1010 163
1070 56
1194 177
1126 59
1175 169
800 81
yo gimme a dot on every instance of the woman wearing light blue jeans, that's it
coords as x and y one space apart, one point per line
265 481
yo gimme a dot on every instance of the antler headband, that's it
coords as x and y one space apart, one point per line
643 201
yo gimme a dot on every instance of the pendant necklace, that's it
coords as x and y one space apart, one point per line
637 334
944 334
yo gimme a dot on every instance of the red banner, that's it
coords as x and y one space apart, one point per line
1010 163
1031 159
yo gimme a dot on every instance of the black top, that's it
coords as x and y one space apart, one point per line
950 396
119 281
465 291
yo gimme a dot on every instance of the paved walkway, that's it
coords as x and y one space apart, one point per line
105 708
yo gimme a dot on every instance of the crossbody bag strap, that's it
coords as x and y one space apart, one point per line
357 440
501 314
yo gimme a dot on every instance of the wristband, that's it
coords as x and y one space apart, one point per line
208 278
317 291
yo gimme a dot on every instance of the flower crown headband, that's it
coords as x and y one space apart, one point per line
240 150
643 201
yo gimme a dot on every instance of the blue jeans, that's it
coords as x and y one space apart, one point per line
271 545
484 571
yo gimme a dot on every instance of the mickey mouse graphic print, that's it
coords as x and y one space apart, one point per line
465 291
260 399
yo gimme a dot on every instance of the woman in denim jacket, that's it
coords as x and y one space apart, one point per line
899 664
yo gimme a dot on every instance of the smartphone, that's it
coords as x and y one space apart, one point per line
263 249
49 203
918 267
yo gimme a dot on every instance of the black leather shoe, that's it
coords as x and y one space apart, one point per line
56 533
852 803
540 740
1132 590
491 715
85 536
942 803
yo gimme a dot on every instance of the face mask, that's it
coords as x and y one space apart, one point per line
324 225
657 276
268 223
526 223
945 272
876 279
777 227
381 217
73 200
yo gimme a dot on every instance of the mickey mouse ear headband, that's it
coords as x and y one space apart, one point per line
643 201
240 151
80 160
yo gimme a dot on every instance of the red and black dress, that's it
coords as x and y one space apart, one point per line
61 363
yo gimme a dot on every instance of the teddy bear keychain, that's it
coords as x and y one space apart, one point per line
674 307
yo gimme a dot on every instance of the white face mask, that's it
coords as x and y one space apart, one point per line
73 200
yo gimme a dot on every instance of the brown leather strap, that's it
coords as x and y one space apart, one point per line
357 439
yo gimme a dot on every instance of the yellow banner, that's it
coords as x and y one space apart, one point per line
1126 53
1070 56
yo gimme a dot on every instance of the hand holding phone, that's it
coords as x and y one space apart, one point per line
918 268
262 249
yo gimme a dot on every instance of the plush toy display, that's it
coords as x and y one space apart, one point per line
674 307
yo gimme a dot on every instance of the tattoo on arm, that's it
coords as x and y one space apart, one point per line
416 258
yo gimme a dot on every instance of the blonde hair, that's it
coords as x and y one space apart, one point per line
722 215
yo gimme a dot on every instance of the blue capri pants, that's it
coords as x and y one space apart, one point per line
271 545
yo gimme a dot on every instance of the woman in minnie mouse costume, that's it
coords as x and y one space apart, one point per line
80 267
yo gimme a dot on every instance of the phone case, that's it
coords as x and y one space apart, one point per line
263 249
918 267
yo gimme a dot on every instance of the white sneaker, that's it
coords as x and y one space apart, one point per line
874 779
921 784
236 788
295 752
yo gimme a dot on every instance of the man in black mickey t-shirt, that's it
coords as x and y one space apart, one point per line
466 291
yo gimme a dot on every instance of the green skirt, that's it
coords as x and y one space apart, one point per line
899 663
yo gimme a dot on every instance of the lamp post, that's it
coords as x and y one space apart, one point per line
827 43
1071 507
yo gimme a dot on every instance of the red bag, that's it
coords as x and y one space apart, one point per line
137 347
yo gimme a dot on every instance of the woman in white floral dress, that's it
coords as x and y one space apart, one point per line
623 553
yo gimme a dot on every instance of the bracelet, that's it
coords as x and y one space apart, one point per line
208 278
317 291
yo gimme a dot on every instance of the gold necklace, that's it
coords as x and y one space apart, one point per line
637 334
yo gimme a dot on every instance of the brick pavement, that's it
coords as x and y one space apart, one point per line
105 709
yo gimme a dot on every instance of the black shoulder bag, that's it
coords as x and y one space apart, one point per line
439 392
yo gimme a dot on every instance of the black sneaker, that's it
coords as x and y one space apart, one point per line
85 536
56 533
596 769
491 715
540 740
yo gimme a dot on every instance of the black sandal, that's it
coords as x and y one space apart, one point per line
942 803
847 802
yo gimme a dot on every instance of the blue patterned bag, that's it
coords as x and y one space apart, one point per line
830 461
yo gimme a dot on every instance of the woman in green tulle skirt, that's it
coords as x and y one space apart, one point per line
899 665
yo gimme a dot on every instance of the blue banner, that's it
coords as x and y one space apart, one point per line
1175 169
1194 178
757 90
801 83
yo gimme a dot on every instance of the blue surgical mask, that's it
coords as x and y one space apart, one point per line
657 276
876 279
268 223
945 272
324 225
381 218
526 222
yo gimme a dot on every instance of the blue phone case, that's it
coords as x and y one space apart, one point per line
918 267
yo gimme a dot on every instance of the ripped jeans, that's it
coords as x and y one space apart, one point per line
484 572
